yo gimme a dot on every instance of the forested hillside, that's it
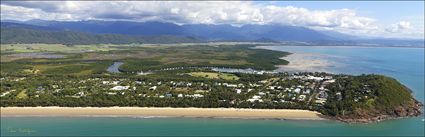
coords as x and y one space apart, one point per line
13 35
370 98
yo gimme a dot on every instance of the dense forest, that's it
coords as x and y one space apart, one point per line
369 96
13 35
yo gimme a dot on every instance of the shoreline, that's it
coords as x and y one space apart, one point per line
142 112
343 46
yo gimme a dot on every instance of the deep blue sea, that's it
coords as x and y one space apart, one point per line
404 64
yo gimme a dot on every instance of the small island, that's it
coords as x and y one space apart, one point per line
216 80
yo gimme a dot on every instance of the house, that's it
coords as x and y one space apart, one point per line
307 91
153 88
195 96
263 81
320 101
297 90
40 88
232 85
301 98
254 85
328 77
105 82
238 91
255 98
315 78
120 88
329 81
322 94
280 88
180 95
4 94
81 93
201 91
339 96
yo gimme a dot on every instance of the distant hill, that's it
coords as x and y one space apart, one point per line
254 32
26 26
20 33
170 32
201 31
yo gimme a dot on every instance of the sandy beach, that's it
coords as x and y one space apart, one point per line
162 112
306 62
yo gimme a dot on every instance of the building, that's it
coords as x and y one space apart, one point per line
153 88
120 88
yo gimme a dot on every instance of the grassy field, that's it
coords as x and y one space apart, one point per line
22 48
214 75
70 68
22 95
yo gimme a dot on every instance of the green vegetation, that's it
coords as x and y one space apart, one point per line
59 68
236 56
42 75
385 96
93 59
368 96
12 35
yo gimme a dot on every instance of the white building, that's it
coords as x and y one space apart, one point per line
180 95
153 88
120 88
195 96
297 90
238 91
255 98
301 98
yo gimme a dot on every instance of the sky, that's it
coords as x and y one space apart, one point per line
393 19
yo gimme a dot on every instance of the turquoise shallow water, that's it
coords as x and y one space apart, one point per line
405 64
199 126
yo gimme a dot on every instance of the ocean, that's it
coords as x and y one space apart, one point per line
404 64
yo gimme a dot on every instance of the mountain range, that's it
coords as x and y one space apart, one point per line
192 32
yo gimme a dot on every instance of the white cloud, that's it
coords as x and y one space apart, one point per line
400 27
193 12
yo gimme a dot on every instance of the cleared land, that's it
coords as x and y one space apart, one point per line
214 75
21 48
22 95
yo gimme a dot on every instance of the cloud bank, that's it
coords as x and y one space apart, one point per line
179 12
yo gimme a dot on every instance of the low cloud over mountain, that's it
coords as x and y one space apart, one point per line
212 13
